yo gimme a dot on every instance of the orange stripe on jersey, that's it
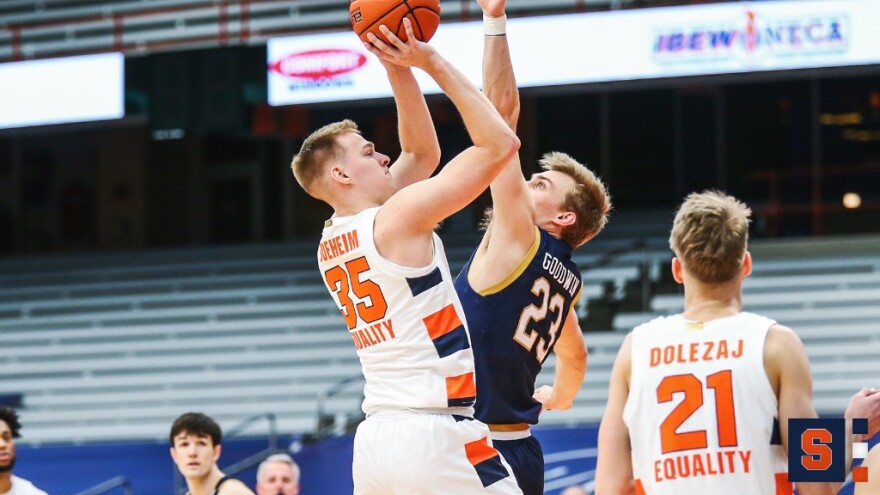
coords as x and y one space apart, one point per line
860 474
640 490
461 386
783 486
479 451
442 322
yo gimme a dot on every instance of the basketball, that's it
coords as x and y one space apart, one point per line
367 15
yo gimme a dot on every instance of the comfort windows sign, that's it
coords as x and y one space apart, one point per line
64 90
601 47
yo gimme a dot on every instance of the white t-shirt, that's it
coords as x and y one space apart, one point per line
23 487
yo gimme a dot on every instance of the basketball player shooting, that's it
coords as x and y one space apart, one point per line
520 286
387 271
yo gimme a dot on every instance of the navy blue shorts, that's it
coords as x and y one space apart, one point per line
526 459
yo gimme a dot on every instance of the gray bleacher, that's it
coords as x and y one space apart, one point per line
112 347
829 293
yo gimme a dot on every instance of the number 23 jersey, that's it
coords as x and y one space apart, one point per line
515 325
406 323
701 411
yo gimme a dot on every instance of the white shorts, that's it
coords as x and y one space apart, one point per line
411 453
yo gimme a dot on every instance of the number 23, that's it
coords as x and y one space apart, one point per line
526 337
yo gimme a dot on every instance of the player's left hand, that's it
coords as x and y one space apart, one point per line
492 8
866 404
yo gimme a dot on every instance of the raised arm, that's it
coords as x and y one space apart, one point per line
419 148
614 475
571 365
511 232
418 208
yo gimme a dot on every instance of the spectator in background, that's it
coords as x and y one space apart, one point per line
278 475
9 483
195 448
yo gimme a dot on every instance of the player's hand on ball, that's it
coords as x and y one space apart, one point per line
413 53
492 8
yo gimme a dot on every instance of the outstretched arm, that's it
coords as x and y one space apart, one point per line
418 208
614 475
419 148
571 365
511 232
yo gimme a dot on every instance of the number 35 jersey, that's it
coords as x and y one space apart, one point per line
701 412
406 323
514 326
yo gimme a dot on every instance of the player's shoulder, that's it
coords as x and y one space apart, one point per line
781 339
234 487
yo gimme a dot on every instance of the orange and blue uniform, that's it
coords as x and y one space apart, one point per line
415 352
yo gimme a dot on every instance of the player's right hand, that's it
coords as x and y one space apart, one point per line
413 53
492 8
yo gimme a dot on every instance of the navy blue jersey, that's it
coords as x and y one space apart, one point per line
514 326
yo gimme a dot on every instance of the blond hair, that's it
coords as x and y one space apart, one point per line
589 200
710 235
320 147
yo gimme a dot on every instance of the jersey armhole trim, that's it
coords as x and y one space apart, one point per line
520 268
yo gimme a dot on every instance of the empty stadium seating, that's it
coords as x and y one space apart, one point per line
110 347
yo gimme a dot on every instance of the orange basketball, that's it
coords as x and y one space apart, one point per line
367 15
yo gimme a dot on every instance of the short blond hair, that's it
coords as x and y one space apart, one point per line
710 235
320 147
589 200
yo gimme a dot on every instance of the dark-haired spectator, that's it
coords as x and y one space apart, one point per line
195 448
9 431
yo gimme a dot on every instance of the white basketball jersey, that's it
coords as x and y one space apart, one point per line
406 323
701 411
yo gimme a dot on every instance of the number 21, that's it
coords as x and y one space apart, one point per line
725 419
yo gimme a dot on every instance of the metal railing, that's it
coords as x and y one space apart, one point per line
112 483
322 427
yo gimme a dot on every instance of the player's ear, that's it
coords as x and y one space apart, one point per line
677 270
217 450
747 265
565 218
338 174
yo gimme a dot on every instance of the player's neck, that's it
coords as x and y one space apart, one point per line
352 205
5 481
710 302
205 485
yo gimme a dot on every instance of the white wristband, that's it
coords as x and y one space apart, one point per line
494 26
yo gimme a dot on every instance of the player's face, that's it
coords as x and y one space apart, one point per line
195 455
548 190
366 167
7 448
277 479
